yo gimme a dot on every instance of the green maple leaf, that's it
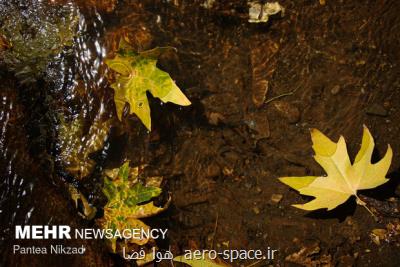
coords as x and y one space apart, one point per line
126 195
137 74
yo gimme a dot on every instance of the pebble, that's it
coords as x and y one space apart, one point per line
256 210
276 198
258 190
335 90
377 110
214 118
227 171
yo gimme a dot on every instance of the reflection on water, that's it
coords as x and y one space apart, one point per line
16 183
35 33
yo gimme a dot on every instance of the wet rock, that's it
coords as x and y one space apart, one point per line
377 110
290 112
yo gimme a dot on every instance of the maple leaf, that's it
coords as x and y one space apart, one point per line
85 209
138 73
343 178
125 194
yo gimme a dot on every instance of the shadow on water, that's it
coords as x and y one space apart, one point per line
374 197
341 212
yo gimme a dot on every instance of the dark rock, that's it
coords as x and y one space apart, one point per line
377 110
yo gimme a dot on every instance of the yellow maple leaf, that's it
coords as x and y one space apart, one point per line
343 178
137 74
128 202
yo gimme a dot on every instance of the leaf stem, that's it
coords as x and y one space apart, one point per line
362 203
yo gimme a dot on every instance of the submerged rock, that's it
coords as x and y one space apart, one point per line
290 112
377 110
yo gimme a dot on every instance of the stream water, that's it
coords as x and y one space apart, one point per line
256 89
52 73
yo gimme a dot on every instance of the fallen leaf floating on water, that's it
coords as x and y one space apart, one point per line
125 194
206 262
343 178
138 73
